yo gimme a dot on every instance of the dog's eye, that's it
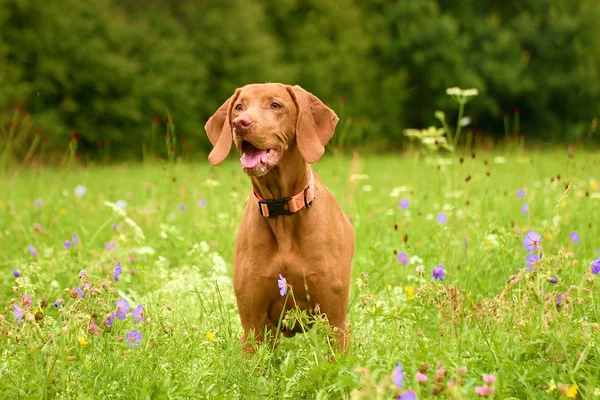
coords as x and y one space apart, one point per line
239 107
275 106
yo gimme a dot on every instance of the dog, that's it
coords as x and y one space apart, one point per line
293 231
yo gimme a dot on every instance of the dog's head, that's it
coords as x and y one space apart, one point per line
264 121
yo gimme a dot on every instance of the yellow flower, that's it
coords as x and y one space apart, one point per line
572 392
410 291
388 287
63 211
210 336
593 184
82 341
548 235
551 387
563 205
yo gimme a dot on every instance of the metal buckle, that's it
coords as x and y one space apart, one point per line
275 207
306 203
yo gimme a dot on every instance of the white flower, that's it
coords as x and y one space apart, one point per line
121 204
397 190
465 121
367 188
470 92
415 260
454 91
80 191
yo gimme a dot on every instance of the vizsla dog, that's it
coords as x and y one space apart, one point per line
292 226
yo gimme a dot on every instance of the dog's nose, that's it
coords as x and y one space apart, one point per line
242 123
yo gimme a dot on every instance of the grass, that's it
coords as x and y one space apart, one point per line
488 314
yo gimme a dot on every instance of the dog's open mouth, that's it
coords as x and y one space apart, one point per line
257 162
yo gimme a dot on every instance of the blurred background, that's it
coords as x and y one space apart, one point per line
108 72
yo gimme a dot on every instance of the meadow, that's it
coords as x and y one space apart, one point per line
115 282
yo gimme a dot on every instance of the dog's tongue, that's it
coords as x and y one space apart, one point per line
251 155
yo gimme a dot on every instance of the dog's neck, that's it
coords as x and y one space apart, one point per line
286 179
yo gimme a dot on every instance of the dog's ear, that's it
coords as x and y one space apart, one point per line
218 128
315 124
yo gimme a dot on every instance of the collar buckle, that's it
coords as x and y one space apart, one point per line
274 207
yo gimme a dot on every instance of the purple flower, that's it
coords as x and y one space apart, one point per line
115 226
17 313
575 237
525 209
111 319
38 203
559 299
80 191
134 339
182 207
404 204
16 273
67 244
531 260
442 218
282 283
520 193
201 203
398 376
82 274
439 272
595 266
532 241
58 303
122 309
121 204
403 258
80 292
552 280
75 240
408 395
32 250
110 245
138 314
117 271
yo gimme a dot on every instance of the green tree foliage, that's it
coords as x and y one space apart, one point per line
106 67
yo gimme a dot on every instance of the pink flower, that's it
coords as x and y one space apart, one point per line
421 377
27 301
489 379
484 391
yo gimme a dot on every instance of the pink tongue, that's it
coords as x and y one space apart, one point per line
251 159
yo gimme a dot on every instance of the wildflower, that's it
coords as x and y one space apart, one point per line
122 308
210 335
532 259
451 383
420 270
484 391
552 280
121 204
398 376
110 245
442 218
593 184
525 209
463 369
404 204
421 377
17 313
489 379
575 237
117 271
80 292
201 203
75 240
532 241
80 191
410 292
58 303
520 193
67 244
115 226
134 338
32 250
403 258
93 328
572 392
110 320
181 207
16 273
82 341
439 272
83 274
595 266
138 314
408 395
559 299
27 301
551 387
282 283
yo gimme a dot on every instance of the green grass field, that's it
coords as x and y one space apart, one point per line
174 236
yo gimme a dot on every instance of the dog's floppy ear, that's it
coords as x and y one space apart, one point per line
218 128
315 124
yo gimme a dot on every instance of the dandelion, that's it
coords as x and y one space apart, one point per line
17 313
134 339
16 273
408 395
32 250
410 292
398 376
210 335
520 193
442 218
83 341
117 271
404 204
595 266
572 392
67 244
439 272
122 309
282 283
138 314
80 191
403 258
575 237
532 241
532 260
421 377
525 209
201 203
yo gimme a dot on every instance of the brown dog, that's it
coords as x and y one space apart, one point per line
292 226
